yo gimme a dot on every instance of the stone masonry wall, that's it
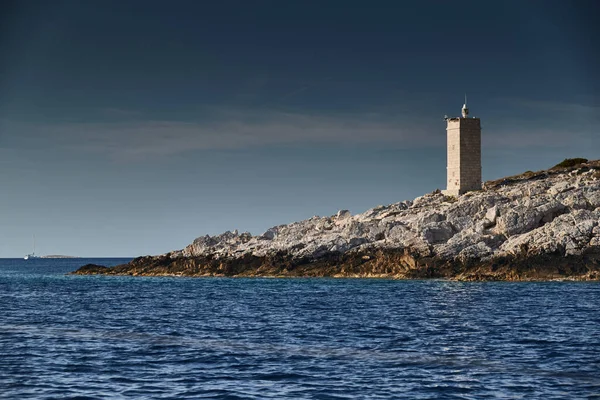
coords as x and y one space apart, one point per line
464 155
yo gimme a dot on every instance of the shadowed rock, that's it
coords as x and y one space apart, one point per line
91 269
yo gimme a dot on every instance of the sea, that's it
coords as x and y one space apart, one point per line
109 337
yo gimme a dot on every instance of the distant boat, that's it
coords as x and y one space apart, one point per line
32 255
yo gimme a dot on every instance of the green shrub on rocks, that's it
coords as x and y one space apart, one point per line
570 162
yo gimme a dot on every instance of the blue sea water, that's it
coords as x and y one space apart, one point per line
174 338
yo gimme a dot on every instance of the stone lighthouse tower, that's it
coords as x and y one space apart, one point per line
464 153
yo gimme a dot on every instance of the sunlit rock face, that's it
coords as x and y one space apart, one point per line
554 212
538 225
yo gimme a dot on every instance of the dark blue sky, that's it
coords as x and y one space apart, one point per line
131 127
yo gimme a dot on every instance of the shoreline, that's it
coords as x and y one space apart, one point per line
391 264
346 277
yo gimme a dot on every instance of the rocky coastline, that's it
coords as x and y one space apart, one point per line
541 225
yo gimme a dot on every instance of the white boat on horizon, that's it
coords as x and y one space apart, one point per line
32 255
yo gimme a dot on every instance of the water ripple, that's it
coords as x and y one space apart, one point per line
120 337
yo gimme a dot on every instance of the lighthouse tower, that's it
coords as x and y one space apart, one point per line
464 153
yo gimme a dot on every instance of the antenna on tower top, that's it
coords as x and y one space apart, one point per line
465 99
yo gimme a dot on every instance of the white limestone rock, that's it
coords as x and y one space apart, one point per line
556 213
437 232
492 214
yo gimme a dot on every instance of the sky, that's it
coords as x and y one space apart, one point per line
132 127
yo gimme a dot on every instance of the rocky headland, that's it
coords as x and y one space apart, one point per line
541 225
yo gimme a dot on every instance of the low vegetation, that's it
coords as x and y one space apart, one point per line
569 163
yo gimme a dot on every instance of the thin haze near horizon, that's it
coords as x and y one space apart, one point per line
132 127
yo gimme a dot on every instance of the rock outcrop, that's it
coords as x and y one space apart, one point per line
538 225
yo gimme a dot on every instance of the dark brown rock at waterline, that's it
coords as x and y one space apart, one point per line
91 269
380 264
